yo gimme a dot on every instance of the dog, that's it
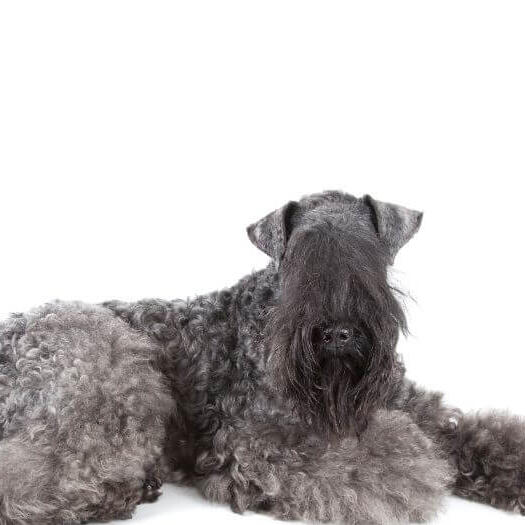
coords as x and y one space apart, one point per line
283 394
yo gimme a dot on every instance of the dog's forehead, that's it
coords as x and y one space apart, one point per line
334 208
326 198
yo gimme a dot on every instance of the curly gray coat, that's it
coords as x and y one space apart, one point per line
237 393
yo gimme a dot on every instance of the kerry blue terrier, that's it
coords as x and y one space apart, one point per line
282 394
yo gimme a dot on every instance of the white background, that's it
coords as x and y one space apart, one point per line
137 140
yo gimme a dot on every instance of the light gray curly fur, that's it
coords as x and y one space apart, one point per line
101 404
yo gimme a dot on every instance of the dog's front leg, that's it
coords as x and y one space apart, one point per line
487 450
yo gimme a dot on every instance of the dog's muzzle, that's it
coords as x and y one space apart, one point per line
340 340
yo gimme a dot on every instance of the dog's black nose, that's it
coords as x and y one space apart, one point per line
336 339
337 334
343 334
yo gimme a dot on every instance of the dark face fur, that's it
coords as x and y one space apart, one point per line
335 326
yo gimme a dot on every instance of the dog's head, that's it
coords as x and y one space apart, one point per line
335 325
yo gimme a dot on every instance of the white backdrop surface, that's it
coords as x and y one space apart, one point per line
138 139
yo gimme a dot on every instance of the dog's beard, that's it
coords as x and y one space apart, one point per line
334 393
324 387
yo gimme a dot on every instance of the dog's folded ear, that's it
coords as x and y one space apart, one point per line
395 225
271 233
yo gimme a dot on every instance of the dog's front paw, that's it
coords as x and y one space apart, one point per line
491 460
151 489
